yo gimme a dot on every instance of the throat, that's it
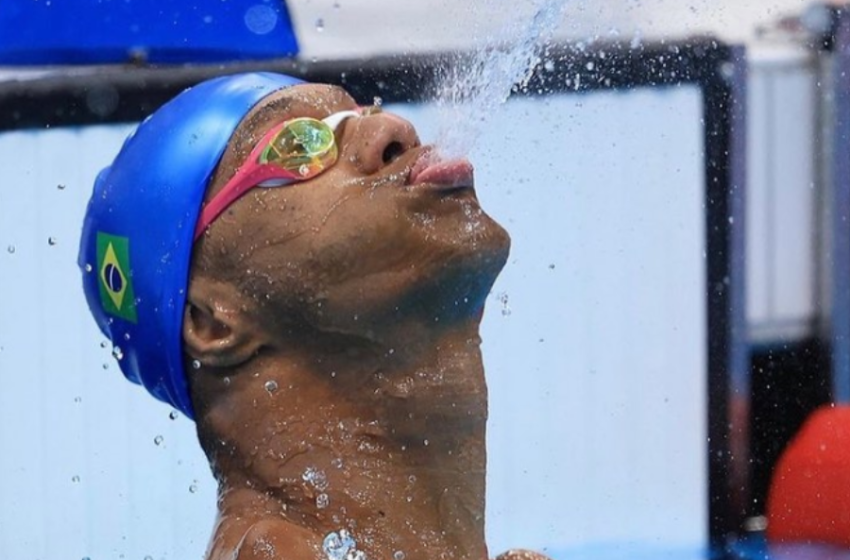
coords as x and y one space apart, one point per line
387 446
425 501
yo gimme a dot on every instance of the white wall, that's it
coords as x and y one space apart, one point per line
597 372
80 475
783 189
358 28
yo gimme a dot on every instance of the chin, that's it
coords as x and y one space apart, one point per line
466 258
481 241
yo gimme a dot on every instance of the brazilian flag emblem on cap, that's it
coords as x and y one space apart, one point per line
114 281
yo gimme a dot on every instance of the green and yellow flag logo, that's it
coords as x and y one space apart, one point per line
113 270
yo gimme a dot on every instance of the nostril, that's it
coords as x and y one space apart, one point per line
393 151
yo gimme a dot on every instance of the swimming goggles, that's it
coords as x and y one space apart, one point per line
295 150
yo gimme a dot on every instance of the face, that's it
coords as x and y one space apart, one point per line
369 241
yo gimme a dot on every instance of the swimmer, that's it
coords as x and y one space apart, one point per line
305 279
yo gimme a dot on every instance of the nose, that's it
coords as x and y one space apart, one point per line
378 139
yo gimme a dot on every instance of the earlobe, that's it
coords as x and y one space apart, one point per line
215 331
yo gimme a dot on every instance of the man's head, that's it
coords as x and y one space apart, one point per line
381 239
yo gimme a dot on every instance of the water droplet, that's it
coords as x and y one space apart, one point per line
75 478
260 19
304 170
60 187
411 478
398 555
503 298
549 66
590 65
117 353
148 557
157 440
426 442
78 399
315 478
51 241
10 249
193 487
338 545
88 267
377 101
105 366
196 364
336 463
104 344
552 266
336 5
173 415
320 25
322 501
271 386
226 381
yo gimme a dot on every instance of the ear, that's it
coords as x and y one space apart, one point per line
216 330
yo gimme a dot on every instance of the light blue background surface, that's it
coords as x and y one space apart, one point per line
597 363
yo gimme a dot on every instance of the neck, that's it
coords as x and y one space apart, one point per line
383 440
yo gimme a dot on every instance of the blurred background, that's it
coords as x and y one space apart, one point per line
674 176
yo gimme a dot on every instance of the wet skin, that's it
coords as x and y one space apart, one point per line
332 332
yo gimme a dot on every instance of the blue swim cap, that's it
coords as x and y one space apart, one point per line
137 239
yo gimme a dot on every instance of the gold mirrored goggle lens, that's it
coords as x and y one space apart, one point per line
304 147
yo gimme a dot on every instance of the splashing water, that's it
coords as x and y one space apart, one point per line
339 546
315 478
468 92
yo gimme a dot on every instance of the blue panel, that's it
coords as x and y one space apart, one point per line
107 31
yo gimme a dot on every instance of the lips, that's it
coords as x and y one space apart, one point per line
431 170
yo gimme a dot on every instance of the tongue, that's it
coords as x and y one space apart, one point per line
455 173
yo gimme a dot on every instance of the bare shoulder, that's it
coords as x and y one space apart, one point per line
521 554
277 539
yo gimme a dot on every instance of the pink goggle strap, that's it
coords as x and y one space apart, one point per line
253 173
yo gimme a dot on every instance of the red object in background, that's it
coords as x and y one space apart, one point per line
809 498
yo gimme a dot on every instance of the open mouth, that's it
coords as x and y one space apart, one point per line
444 175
